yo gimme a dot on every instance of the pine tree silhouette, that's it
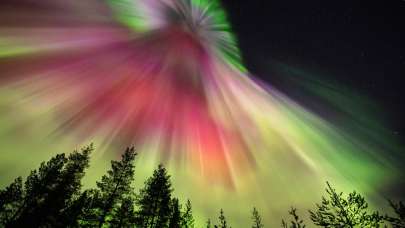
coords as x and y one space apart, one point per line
74 212
38 185
68 189
222 220
175 218
124 214
336 211
111 191
92 203
257 219
51 196
187 220
50 189
296 222
399 220
154 200
11 199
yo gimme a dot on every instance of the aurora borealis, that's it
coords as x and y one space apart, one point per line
167 76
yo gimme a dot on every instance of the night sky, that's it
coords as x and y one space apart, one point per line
125 72
357 43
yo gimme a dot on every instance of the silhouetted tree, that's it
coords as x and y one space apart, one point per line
222 220
68 190
154 200
38 185
10 200
187 220
399 220
51 196
111 191
50 189
93 203
74 212
257 219
336 211
175 218
124 214
296 222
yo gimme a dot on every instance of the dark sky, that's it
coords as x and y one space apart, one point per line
358 43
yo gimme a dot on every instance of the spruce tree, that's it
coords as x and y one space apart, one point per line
187 220
257 219
111 191
175 217
222 220
337 211
154 200
296 222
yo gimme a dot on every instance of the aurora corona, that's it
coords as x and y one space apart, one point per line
167 77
